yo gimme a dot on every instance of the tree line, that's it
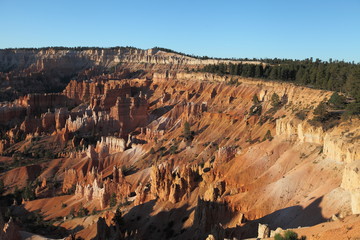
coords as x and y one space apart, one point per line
331 75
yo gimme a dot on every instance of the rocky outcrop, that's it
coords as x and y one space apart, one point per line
339 144
299 130
70 179
130 113
110 145
350 182
214 191
40 103
169 184
263 231
11 114
92 187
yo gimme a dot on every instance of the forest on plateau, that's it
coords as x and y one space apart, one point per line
339 76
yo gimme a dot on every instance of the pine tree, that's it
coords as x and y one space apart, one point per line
112 200
353 84
259 71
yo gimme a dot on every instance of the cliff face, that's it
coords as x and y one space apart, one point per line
78 59
24 71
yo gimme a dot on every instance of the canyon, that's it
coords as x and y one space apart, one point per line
124 143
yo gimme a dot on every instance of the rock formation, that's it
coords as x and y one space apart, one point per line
263 231
172 184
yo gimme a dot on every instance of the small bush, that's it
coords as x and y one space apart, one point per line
173 149
268 136
72 213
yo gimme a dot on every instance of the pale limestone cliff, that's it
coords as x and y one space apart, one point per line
69 59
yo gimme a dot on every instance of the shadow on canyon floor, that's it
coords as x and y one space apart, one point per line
171 222
290 217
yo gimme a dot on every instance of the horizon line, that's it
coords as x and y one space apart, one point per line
180 53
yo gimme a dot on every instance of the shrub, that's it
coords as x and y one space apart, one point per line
188 135
268 136
255 110
288 235
173 149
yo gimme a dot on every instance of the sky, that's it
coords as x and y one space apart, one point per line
229 28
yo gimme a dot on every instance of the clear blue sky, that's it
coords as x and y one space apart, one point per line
254 28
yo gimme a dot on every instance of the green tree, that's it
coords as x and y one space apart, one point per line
117 219
152 151
83 212
255 99
94 211
353 108
321 113
353 85
275 100
28 192
337 101
259 71
112 201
